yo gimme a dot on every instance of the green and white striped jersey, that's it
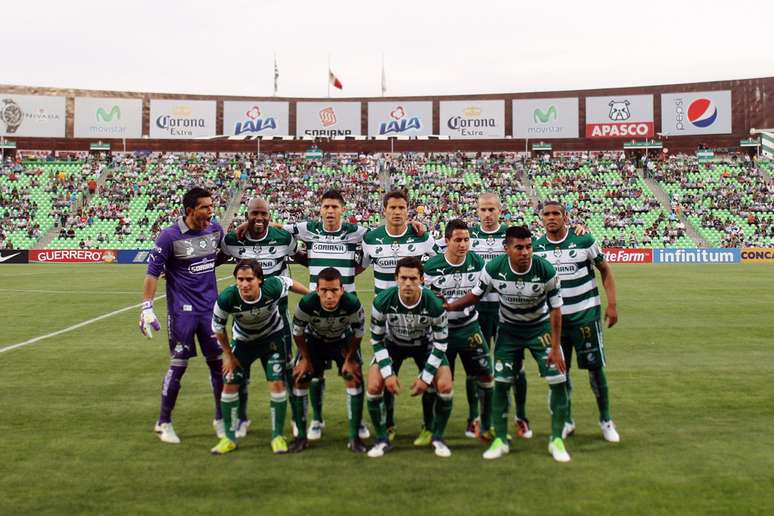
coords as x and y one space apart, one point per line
488 246
272 251
454 282
337 249
525 298
252 319
383 251
345 320
573 258
422 325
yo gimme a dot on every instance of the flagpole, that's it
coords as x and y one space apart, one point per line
384 83
329 76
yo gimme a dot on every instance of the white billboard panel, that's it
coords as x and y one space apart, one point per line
696 112
181 119
328 119
545 118
620 116
107 118
32 115
400 118
252 117
472 119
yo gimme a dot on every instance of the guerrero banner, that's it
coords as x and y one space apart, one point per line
626 255
181 119
545 118
13 256
697 112
473 119
328 119
32 115
107 118
758 255
696 255
255 118
134 256
72 256
400 118
623 116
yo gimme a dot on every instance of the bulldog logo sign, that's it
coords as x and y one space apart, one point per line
628 116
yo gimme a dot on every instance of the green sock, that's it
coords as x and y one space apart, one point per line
500 409
428 406
485 392
229 407
598 380
389 407
316 390
443 409
558 404
243 401
569 397
471 390
520 395
278 408
354 410
298 402
378 414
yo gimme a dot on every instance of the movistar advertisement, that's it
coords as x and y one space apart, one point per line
182 119
107 118
400 118
32 115
255 118
620 116
696 112
472 119
539 119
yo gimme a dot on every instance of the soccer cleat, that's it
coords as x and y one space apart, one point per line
279 445
391 433
224 446
487 437
424 438
166 433
379 448
315 430
298 445
609 432
220 428
568 430
522 428
441 450
473 428
241 431
557 451
362 431
293 428
496 450
356 445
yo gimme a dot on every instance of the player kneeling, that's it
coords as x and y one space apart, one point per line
328 325
253 303
408 321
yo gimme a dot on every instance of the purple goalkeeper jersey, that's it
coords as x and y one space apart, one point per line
187 258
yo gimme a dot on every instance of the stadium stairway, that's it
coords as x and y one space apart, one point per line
529 187
233 207
663 199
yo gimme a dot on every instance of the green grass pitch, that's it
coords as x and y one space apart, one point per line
690 364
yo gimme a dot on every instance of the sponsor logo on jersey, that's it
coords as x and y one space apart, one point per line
202 267
328 248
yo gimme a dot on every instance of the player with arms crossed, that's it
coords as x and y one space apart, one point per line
328 325
530 318
253 303
408 321
574 258
186 253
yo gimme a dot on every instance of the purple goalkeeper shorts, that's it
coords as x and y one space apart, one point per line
182 328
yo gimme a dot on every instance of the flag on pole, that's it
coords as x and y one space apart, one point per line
335 82
276 75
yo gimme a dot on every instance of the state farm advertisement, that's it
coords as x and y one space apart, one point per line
624 116
625 255
73 256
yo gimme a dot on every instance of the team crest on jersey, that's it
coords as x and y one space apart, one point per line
520 284
490 241
395 246
557 252
457 277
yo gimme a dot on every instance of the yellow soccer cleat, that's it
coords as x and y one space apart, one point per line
279 445
224 446
424 438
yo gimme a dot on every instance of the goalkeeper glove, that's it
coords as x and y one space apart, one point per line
148 320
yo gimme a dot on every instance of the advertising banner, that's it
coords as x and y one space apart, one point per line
107 118
32 115
13 256
255 118
697 112
135 256
758 255
400 118
622 116
472 119
696 255
182 119
73 256
328 119
545 118
626 255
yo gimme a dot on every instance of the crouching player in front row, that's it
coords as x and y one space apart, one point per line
328 325
408 321
257 333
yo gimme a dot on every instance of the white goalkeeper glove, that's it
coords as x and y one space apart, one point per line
148 320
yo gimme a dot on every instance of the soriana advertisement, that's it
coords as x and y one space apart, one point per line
181 119
73 256
623 116
696 112
328 119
